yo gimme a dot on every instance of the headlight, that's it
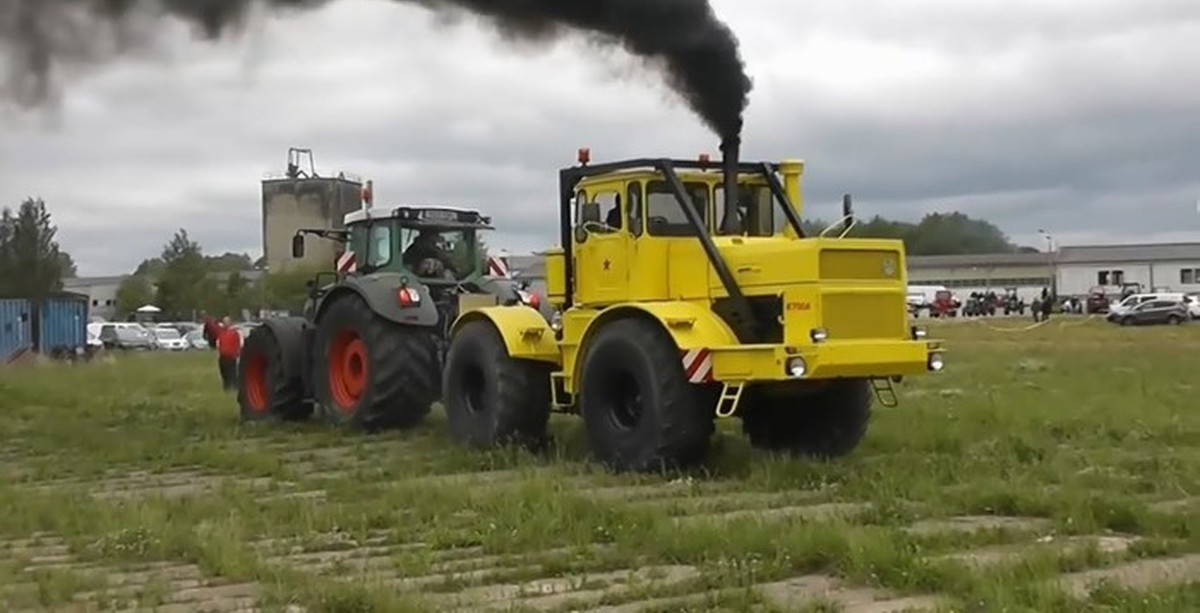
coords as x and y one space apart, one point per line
818 335
919 333
935 362
796 367
556 322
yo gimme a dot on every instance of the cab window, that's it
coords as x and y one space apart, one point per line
756 212
633 203
664 217
379 246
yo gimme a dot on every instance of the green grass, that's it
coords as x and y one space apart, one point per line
1081 427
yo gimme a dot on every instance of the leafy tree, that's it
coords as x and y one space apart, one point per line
936 234
31 263
134 292
183 283
287 289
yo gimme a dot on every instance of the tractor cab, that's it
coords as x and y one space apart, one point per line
438 246
750 262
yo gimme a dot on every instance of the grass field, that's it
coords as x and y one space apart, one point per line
1054 469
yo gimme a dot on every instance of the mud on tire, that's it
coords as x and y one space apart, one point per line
371 373
824 423
640 411
490 398
265 389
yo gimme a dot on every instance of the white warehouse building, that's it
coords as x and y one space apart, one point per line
1153 267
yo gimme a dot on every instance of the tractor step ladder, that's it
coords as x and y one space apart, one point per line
560 400
730 400
885 392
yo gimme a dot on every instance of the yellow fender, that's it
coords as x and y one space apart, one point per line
525 332
691 325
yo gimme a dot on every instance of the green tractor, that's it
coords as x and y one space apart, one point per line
369 349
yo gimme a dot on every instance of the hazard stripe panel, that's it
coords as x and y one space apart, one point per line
697 365
497 267
346 264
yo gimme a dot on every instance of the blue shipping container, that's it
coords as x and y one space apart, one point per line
62 324
15 327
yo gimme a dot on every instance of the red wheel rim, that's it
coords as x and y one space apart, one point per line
347 369
256 382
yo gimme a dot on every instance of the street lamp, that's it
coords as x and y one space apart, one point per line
1050 261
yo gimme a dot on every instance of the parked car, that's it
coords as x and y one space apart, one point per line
1193 304
1153 312
169 339
195 339
1133 300
121 336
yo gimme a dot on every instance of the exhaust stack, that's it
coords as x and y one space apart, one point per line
730 151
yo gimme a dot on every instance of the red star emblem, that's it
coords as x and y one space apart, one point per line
607 264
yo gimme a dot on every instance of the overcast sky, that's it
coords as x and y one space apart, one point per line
1078 116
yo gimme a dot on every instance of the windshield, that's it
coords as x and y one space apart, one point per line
167 333
454 252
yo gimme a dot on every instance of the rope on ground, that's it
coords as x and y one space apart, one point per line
1061 324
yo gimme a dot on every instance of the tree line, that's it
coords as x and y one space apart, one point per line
183 280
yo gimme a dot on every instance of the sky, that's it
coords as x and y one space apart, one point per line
1079 117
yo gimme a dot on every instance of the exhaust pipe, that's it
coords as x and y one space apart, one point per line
730 151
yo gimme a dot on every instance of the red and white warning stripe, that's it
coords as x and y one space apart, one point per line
498 267
346 264
697 365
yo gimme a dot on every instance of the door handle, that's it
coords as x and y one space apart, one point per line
749 269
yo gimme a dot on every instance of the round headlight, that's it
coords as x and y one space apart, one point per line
935 362
796 367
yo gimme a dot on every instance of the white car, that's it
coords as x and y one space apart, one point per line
1193 304
169 339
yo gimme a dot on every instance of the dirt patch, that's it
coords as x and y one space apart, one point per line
178 483
167 586
815 512
553 593
1138 575
794 594
1175 506
977 523
1006 554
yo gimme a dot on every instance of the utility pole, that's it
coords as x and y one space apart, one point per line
1050 261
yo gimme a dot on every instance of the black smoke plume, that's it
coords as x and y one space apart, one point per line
697 52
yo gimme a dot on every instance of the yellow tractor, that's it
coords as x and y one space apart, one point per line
674 310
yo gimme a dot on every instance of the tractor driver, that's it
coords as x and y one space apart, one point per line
427 246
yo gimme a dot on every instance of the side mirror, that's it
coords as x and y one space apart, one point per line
298 246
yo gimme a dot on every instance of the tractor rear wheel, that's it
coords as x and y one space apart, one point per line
372 373
492 399
824 423
640 411
265 389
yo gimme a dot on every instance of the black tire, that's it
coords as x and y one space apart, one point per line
1125 321
824 423
1174 320
491 399
265 390
635 360
399 368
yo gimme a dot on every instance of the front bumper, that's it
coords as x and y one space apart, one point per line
826 360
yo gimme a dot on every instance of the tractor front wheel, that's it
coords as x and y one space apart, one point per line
492 399
823 423
265 389
372 373
640 412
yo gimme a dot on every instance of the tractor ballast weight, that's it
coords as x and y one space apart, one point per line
369 349
677 309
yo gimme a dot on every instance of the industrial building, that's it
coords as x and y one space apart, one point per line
1155 267
302 199
1069 271
101 294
